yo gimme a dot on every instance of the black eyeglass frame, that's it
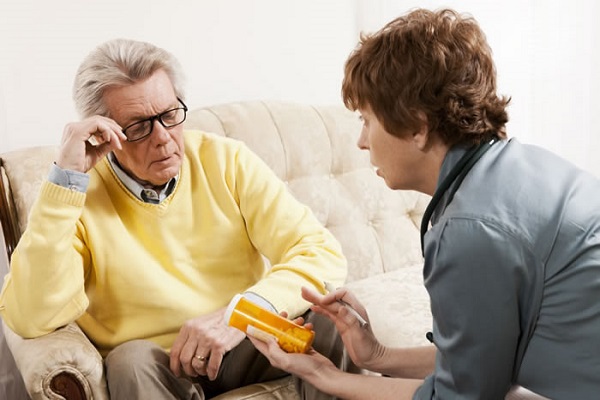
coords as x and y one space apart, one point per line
159 118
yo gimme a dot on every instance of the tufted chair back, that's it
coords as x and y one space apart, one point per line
313 149
21 175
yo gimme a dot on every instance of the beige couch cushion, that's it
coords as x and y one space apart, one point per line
27 168
314 150
398 306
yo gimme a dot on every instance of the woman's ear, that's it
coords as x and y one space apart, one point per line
421 135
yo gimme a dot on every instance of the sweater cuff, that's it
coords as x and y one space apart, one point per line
62 194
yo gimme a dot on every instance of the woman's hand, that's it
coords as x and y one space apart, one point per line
360 342
307 366
321 373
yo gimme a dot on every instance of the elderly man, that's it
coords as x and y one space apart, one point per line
144 232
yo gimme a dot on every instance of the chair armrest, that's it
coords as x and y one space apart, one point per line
63 363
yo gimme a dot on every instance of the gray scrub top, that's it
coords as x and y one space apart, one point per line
512 267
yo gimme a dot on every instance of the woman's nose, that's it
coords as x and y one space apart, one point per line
363 142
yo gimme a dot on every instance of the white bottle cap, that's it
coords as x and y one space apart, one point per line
231 307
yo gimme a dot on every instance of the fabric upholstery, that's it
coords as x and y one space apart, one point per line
26 169
11 382
313 149
66 349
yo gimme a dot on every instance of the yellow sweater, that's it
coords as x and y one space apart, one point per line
124 269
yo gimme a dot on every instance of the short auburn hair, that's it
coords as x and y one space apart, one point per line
434 62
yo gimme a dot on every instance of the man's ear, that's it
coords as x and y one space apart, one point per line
421 135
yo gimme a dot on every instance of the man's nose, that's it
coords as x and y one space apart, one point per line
160 132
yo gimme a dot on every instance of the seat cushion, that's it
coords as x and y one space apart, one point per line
398 306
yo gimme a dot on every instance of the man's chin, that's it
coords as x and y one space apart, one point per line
164 174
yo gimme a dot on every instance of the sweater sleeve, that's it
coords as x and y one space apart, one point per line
301 250
44 288
479 278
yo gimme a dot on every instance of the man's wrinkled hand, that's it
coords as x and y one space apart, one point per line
201 345
86 142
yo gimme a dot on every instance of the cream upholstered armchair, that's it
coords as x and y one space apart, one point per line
313 149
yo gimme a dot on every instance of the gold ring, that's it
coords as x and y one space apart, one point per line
200 358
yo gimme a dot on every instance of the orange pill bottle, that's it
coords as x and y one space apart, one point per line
263 324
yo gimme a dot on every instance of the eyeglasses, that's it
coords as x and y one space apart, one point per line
168 119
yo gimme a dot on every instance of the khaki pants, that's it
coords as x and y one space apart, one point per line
140 369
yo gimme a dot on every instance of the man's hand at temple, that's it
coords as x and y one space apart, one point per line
86 142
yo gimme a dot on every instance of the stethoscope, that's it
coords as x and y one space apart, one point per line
457 174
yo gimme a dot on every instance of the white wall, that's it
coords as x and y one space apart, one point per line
230 50
294 50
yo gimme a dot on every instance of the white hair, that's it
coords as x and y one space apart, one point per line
120 62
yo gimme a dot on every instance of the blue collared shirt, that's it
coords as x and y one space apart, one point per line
512 268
